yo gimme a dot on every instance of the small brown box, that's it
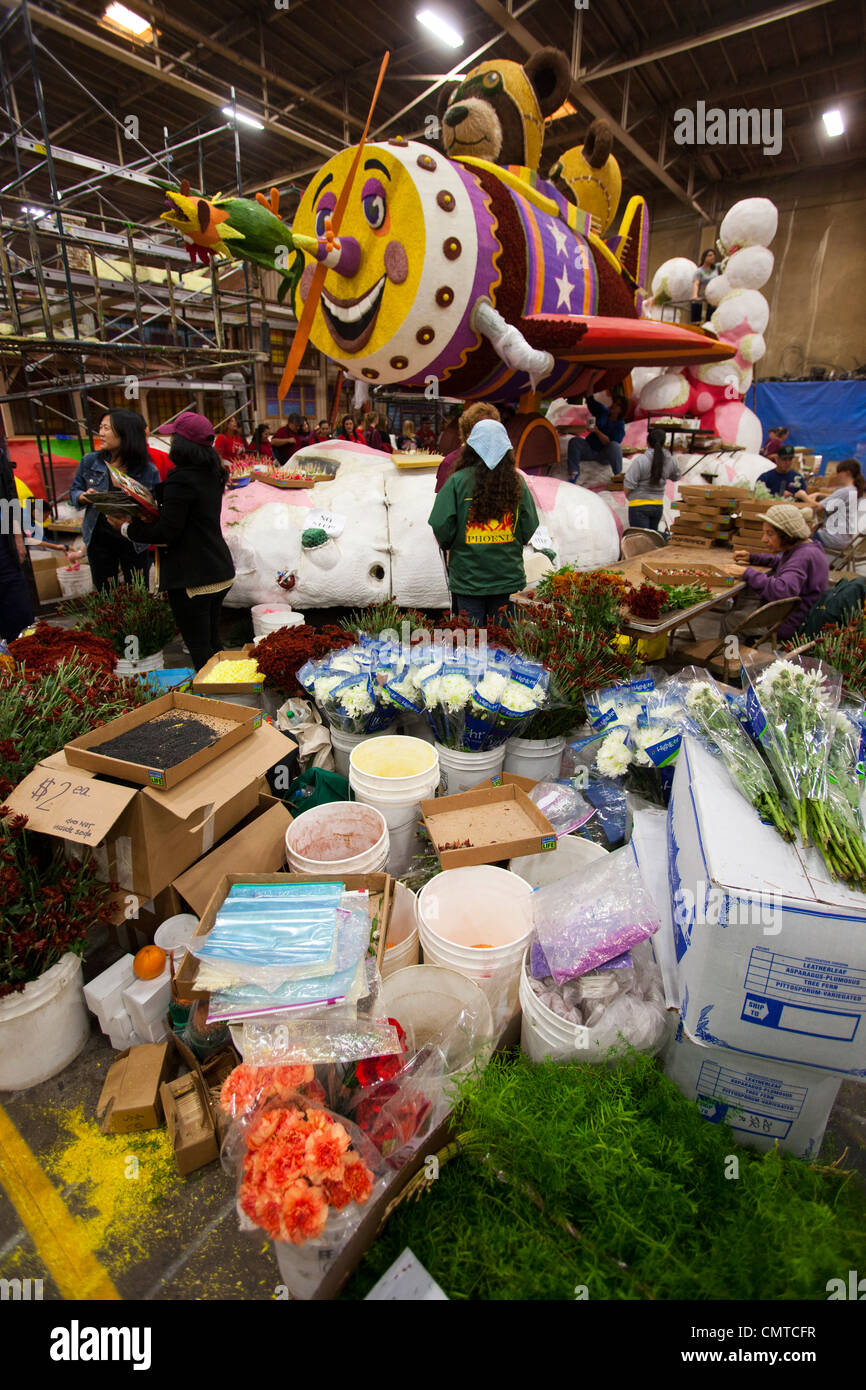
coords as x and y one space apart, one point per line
190 1122
130 1098
202 686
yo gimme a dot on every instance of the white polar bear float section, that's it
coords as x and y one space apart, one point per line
385 548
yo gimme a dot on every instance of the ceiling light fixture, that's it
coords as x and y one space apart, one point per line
833 123
35 212
241 116
126 19
443 31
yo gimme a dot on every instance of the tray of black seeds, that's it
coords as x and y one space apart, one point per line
161 743
166 740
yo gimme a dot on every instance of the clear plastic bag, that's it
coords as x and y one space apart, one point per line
590 916
346 985
269 933
337 1034
563 805
715 722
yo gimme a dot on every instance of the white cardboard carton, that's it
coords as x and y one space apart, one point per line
771 958
147 1001
764 1102
103 995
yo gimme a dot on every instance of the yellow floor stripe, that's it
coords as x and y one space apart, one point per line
59 1240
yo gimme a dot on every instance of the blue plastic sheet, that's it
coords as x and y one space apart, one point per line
828 417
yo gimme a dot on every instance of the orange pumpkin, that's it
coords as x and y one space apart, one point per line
149 962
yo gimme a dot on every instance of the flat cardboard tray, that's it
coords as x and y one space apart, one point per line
201 686
287 483
380 887
500 823
715 492
417 460
704 510
78 752
708 575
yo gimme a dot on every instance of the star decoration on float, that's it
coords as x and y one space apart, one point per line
558 233
566 290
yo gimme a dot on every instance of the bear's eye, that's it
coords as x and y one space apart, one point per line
492 79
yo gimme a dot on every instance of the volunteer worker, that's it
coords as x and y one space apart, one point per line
484 515
645 482
195 564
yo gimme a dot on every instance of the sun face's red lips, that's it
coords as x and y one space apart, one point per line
351 321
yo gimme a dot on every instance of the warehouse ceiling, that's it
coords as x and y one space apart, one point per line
307 71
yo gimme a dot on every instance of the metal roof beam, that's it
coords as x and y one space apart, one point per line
90 39
742 25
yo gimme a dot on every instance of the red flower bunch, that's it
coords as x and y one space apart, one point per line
282 653
374 1069
126 610
579 657
299 1163
48 646
246 1087
48 902
646 602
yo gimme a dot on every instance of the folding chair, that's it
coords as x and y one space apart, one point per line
637 541
761 625
847 559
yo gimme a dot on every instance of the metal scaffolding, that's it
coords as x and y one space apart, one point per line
94 302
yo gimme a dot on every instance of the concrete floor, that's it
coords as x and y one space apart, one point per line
172 1237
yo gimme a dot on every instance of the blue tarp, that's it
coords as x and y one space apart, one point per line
828 417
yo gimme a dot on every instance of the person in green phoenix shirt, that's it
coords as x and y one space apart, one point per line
484 516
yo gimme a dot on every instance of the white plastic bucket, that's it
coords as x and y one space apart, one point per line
402 948
571 854
461 770
175 933
395 775
536 758
477 920
342 837
432 1000
43 1028
75 582
156 662
343 744
544 1034
270 617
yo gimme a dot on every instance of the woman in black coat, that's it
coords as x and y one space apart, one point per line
195 564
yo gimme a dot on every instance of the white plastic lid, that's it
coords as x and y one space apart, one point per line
175 931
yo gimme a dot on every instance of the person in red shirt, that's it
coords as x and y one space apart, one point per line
231 443
350 430
259 442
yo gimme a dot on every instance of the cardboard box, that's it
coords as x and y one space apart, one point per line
764 1102
710 576
130 1099
771 955
260 847
145 839
45 565
380 886
190 1122
201 686
79 752
499 822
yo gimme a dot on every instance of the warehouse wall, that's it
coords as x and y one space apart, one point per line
817 292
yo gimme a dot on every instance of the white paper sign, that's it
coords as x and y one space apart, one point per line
329 522
542 539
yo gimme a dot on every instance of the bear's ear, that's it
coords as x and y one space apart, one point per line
598 144
445 96
549 74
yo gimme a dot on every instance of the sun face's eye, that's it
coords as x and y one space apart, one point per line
327 203
374 204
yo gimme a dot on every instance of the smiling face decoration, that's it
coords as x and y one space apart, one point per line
400 290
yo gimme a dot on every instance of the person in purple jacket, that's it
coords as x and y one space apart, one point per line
797 564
